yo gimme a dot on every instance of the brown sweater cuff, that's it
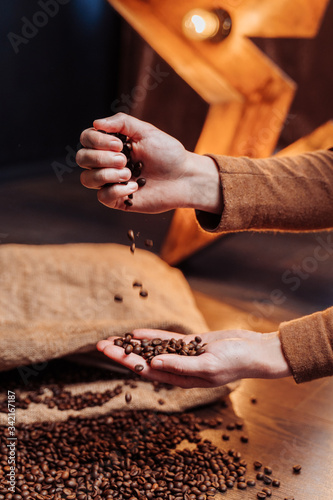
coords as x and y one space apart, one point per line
307 344
286 193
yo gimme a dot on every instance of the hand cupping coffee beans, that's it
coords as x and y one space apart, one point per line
148 349
135 168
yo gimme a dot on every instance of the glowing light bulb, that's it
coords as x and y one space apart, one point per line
200 24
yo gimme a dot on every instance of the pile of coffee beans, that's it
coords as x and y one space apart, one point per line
126 455
135 168
149 348
48 386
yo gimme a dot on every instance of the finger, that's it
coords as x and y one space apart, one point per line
93 139
125 124
183 365
142 333
113 196
91 158
96 178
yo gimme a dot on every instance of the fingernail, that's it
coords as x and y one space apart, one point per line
132 186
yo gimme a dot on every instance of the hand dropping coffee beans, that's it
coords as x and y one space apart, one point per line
135 168
148 349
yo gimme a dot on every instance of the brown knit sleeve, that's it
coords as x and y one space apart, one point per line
280 194
307 344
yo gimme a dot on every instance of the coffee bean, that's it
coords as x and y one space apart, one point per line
261 495
141 181
257 464
149 243
267 480
267 470
130 234
144 293
241 485
250 482
253 400
225 437
244 439
118 342
231 427
118 298
129 349
138 368
267 491
260 476
198 339
161 402
132 248
128 397
297 469
239 425
128 203
137 284
200 351
276 483
130 196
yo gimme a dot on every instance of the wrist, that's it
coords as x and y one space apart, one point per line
205 190
273 361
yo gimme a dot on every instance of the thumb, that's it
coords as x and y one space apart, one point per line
125 124
180 365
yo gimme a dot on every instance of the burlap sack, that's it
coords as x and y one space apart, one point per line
59 300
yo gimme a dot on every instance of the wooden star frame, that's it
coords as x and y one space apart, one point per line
248 95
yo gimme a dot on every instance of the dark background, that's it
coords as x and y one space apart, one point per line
70 73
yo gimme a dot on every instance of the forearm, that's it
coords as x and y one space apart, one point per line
287 194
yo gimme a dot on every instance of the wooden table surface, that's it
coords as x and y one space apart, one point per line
290 424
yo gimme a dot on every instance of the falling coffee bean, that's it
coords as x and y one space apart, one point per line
130 234
149 243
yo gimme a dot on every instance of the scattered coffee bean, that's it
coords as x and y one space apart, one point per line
128 397
143 293
132 248
141 181
276 483
138 368
251 482
297 469
257 464
268 470
118 298
267 491
253 400
137 284
261 495
244 439
198 339
161 402
239 425
225 437
128 203
130 196
241 485
260 476
267 480
231 426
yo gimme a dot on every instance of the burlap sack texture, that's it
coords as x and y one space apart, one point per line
57 300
